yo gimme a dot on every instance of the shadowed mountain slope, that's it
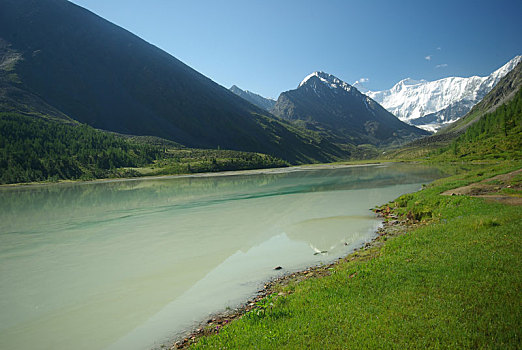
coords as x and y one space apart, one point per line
70 63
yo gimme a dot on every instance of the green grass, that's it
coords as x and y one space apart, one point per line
453 282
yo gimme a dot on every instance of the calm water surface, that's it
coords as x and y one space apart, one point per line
131 265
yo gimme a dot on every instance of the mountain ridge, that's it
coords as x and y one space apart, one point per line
503 93
97 73
256 99
432 104
324 102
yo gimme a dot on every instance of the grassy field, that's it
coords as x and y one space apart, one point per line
453 280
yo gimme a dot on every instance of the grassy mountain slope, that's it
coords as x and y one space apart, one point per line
78 65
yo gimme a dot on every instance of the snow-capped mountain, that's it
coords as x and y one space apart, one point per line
431 104
323 102
329 80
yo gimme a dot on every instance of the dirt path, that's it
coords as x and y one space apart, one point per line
493 189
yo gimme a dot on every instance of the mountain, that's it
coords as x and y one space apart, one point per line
325 103
266 103
502 95
64 62
495 134
432 104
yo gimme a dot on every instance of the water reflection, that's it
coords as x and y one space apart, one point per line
135 262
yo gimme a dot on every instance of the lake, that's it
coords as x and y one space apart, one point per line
133 264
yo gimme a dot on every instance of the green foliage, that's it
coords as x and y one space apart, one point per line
450 284
37 149
34 149
186 161
263 307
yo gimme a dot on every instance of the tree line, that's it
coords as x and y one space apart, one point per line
38 149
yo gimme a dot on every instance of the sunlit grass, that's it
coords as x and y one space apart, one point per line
453 282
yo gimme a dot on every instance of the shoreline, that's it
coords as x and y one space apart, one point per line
390 227
399 222
321 166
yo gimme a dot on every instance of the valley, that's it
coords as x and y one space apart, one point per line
144 205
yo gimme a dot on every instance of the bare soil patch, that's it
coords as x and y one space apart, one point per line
492 189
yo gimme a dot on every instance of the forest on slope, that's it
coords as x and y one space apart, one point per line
38 149
496 135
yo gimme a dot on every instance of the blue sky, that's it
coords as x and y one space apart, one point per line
269 46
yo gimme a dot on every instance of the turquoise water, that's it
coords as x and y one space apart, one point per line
133 264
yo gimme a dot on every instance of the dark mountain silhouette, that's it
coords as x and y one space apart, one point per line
63 61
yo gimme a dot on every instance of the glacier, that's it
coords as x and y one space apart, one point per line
432 104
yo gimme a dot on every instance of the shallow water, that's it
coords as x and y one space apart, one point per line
131 265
